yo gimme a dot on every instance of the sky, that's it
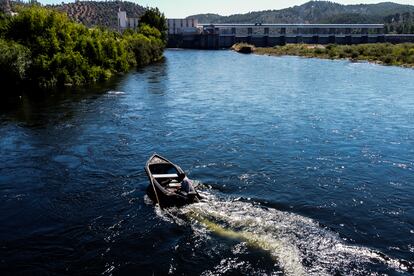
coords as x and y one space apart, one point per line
184 8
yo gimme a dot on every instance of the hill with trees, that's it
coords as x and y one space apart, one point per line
99 13
400 23
314 12
94 13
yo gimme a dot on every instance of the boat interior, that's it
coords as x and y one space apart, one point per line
167 176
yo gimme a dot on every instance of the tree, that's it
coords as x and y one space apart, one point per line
45 48
5 6
154 18
14 62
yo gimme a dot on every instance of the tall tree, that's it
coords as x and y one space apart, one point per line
5 6
154 18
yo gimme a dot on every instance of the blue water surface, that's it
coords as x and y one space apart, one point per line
321 150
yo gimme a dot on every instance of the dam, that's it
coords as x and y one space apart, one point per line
188 33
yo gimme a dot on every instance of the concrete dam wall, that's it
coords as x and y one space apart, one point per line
221 36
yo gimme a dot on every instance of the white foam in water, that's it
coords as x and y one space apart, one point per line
299 245
116 92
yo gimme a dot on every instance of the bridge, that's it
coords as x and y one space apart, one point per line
216 36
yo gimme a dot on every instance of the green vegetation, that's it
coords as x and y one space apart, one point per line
14 61
154 18
42 47
400 23
315 12
384 53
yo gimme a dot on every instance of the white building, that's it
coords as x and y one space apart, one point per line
125 22
183 26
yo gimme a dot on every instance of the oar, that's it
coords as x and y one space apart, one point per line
155 191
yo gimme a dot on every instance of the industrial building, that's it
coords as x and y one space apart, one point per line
215 36
125 22
183 26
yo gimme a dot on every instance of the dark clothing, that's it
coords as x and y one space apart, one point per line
187 186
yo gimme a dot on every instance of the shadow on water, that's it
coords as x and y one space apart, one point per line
35 107
29 105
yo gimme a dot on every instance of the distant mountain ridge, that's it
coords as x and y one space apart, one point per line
315 12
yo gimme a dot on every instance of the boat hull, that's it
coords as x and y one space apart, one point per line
161 171
170 200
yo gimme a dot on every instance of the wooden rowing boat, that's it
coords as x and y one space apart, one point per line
169 185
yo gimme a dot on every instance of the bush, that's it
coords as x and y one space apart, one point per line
398 54
48 49
14 62
154 18
354 54
388 59
332 54
347 49
319 51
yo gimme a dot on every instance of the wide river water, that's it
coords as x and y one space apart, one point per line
307 167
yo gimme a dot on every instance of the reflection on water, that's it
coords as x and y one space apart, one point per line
310 164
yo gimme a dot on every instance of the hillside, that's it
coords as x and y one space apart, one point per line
400 23
99 13
315 12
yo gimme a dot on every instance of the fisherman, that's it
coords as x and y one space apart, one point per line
187 186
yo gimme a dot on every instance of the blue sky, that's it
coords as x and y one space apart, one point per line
183 8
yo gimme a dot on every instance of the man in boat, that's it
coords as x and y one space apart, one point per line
187 186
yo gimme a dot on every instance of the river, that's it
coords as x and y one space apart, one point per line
307 167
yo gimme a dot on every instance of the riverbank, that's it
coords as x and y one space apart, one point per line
382 53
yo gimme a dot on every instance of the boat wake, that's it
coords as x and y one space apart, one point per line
298 245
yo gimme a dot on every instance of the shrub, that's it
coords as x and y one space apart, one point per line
319 51
384 52
331 54
49 49
388 59
354 54
154 18
14 62
347 49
